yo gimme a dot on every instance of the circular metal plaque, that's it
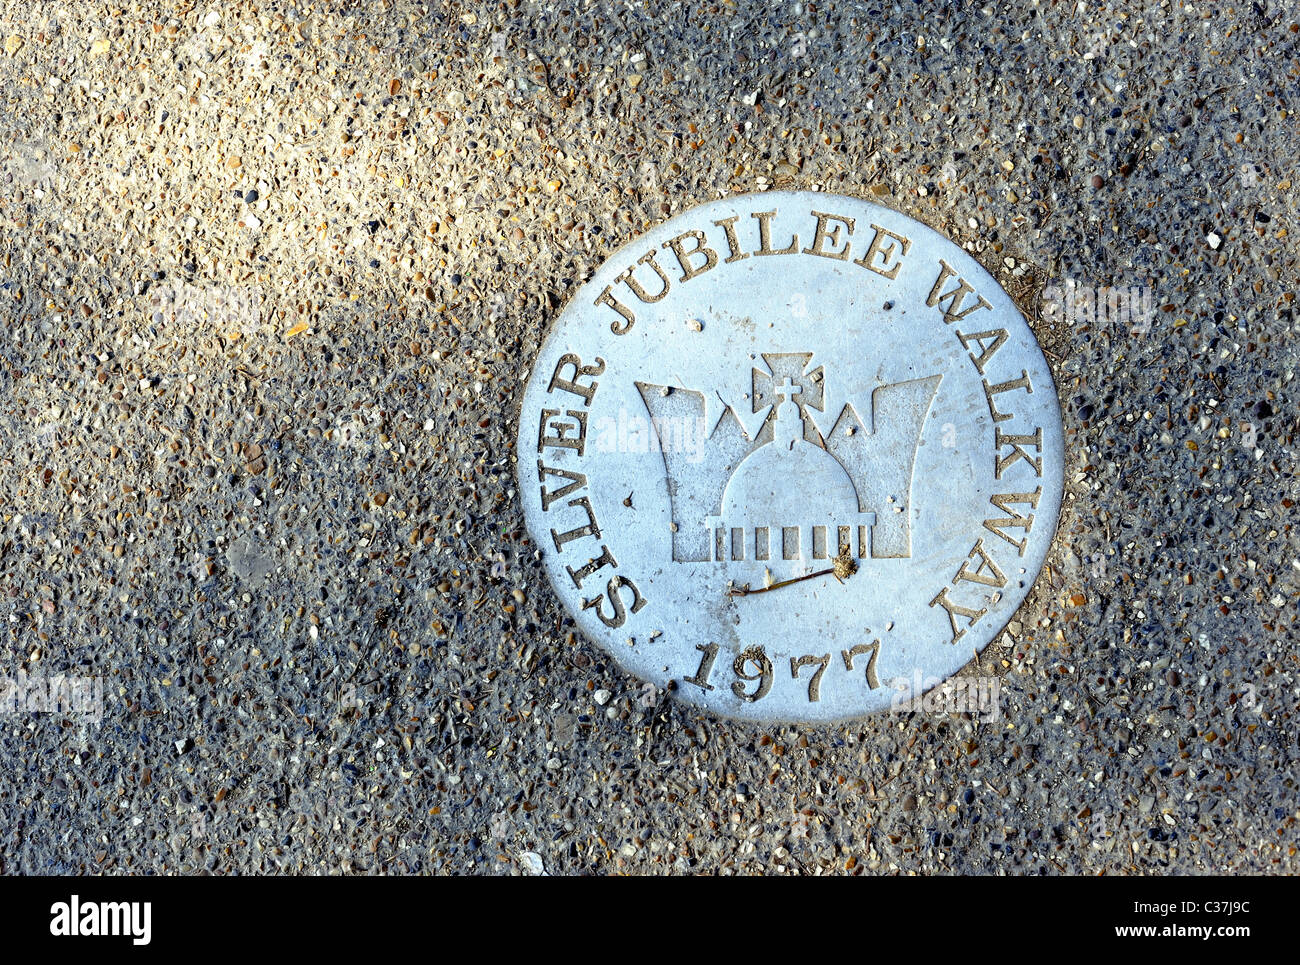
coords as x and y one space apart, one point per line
794 456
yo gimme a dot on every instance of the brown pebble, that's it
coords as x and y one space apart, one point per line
1098 180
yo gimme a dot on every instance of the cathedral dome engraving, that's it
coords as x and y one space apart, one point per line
789 499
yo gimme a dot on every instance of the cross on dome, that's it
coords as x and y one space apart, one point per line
788 428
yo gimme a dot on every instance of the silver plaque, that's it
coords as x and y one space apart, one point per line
794 456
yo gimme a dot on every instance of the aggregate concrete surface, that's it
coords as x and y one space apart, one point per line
272 277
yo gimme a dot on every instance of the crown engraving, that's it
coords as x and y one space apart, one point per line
786 479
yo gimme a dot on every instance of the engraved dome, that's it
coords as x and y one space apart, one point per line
789 480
